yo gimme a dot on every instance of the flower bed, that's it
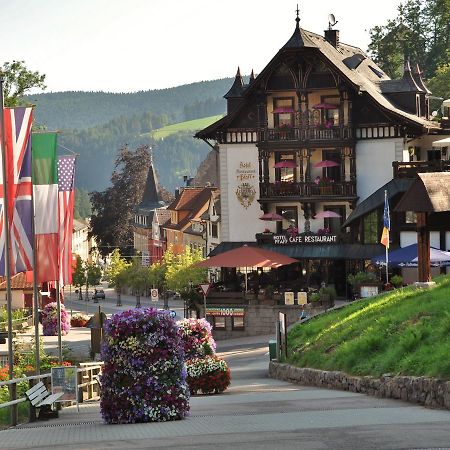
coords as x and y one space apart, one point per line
79 320
144 378
210 374
50 317
197 338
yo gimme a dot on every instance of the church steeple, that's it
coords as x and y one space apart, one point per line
150 199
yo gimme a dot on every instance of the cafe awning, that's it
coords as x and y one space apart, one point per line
309 251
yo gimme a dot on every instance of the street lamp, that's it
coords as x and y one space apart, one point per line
86 276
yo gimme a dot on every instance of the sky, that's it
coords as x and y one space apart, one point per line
135 45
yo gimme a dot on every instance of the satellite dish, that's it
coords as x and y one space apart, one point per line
434 114
331 21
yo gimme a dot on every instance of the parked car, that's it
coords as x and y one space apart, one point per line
99 294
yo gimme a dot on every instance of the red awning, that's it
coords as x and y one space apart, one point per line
246 256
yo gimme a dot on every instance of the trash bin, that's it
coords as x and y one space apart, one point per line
272 350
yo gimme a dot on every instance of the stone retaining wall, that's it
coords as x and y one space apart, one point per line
430 392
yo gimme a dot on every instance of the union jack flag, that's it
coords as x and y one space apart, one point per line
17 126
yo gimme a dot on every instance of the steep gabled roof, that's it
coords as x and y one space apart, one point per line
150 199
353 65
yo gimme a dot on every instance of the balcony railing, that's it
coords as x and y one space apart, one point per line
411 169
306 134
307 189
254 135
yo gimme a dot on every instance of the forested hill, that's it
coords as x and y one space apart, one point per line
79 110
96 125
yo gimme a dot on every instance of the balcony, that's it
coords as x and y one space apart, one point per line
411 169
307 190
304 134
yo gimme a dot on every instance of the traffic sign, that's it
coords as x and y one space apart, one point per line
154 295
205 288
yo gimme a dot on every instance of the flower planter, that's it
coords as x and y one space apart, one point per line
326 190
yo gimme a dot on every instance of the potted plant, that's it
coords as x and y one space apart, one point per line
358 279
314 298
325 185
327 296
397 281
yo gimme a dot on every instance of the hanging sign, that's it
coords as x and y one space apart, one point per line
283 239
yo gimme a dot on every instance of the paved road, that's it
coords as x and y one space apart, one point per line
256 412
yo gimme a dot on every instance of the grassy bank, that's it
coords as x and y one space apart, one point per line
190 125
402 332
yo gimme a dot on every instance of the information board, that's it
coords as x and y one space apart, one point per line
288 298
64 379
302 298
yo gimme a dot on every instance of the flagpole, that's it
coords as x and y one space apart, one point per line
12 389
388 237
37 355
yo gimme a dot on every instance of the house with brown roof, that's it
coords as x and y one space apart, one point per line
186 228
22 291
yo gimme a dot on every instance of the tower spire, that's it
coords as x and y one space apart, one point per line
297 19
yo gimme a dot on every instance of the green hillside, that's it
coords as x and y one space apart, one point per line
80 110
402 332
187 126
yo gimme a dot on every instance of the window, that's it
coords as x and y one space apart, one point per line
410 217
283 112
331 116
370 228
214 231
290 217
333 224
332 173
219 323
238 322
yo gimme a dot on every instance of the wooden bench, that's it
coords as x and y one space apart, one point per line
41 398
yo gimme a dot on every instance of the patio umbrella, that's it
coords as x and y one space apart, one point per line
283 109
326 214
325 106
442 143
287 163
326 163
271 216
247 256
407 257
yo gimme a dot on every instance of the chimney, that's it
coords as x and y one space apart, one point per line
332 36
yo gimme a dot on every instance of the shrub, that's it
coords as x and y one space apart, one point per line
397 280
79 320
49 320
328 290
197 338
210 374
360 277
144 377
314 297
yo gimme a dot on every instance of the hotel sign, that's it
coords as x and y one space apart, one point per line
283 239
234 312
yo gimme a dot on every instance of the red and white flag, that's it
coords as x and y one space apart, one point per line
17 126
66 197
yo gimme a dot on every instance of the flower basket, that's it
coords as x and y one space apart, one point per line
144 377
197 338
79 320
50 320
209 375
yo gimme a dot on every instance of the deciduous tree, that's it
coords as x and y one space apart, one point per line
113 209
18 81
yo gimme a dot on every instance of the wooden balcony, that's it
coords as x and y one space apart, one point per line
307 190
411 169
304 134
